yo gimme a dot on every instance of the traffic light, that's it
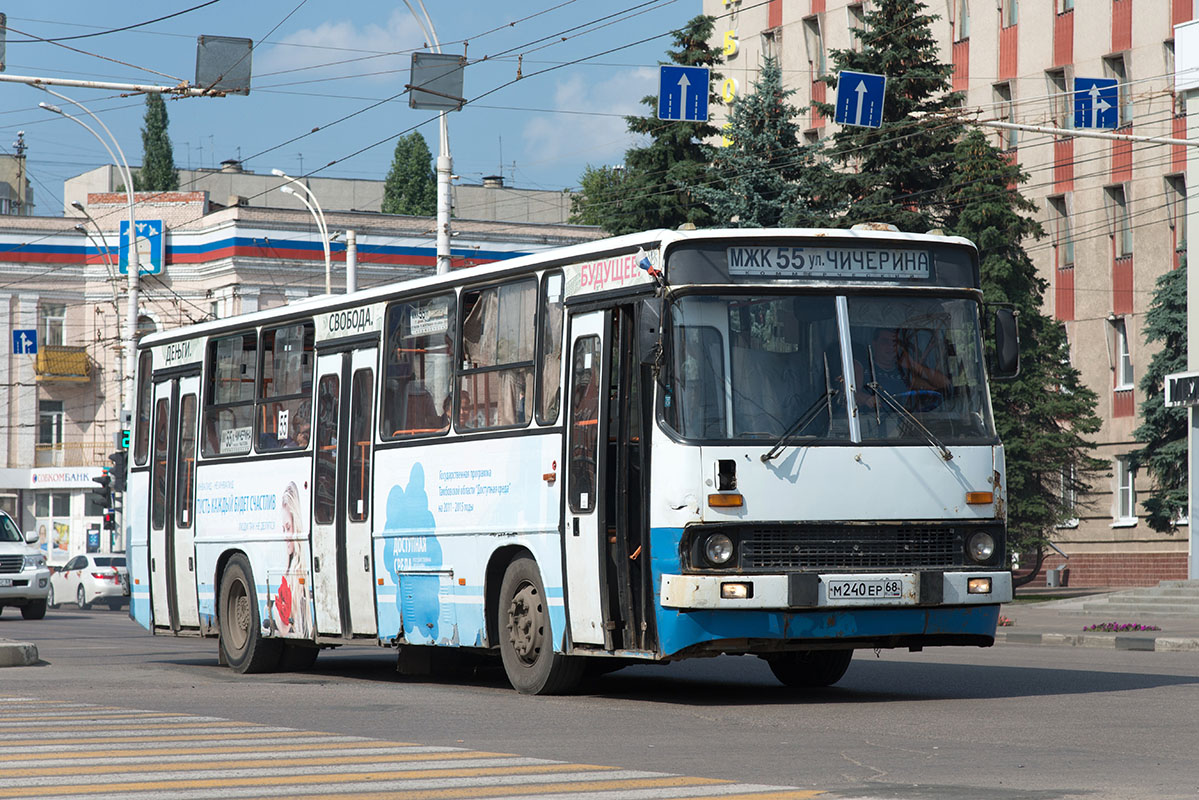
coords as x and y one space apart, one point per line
110 519
103 492
120 460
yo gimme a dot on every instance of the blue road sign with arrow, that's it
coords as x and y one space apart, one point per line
683 93
24 341
1096 103
149 246
860 99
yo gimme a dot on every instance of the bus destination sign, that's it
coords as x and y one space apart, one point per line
870 263
349 322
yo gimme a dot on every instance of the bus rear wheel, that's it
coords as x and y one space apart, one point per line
526 639
242 645
809 669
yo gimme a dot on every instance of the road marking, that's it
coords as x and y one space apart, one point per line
78 752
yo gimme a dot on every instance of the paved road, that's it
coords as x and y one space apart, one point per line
1007 722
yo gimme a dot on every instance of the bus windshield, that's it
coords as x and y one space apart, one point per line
753 367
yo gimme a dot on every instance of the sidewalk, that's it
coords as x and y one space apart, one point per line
1060 622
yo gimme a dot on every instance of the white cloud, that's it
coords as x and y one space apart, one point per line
341 40
585 138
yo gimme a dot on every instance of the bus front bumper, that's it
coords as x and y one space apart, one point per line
805 591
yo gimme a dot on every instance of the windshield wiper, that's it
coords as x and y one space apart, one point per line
806 418
879 391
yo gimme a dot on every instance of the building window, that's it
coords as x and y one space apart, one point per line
815 44
961 20
1063 237
857 22
1060 99
1121 225
50 422
1011 12
145 325
1005 111
772 43
1116 67
54 323
1065 5
1176 209
1126 492
1125 376
1068 491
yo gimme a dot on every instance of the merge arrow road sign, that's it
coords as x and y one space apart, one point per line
683 93
860 99
1096 103
24 341
149 247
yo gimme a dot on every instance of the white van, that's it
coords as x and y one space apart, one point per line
24 577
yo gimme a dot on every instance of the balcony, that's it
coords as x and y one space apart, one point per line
61 364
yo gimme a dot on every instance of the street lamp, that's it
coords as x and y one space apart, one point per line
134 261
112 275
318 214
445 163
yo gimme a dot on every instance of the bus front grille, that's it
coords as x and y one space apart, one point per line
851 549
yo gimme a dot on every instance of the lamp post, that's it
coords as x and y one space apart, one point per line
112 275
134 261
445 163
318 214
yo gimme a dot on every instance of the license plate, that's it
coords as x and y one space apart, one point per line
5 581
869 589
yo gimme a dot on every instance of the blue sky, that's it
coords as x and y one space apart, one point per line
540 132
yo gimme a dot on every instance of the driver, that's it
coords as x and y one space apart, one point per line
896 369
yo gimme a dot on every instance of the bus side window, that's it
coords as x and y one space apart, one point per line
362 392
141 441
229 407
158 498
284 419
584 422
497 356
328 395
549 373
418 368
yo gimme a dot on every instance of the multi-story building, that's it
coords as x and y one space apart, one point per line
61 291
1114 210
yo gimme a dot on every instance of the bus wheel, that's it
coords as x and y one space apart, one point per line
526 640
241 641
808 669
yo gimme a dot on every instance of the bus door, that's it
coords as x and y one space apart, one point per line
342 563
172 503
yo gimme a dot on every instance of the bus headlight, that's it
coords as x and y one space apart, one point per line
718 549
981 546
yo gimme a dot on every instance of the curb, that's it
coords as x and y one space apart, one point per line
1161 644
17 654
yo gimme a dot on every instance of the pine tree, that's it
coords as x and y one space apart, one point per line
411 184
652 189
754 181
895 173
158 160
1044 416
1164 430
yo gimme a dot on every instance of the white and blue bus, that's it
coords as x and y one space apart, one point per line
677 443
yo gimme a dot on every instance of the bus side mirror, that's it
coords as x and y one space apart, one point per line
1006 364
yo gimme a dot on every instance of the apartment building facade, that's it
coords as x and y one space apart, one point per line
62 288
1114 211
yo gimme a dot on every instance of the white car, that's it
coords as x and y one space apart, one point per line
89 579
24 578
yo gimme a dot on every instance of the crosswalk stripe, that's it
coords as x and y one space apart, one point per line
197 754
119 753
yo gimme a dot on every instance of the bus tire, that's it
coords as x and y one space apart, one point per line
810 669
242 645
526 639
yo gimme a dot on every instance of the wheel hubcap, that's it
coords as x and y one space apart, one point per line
526 625
239 611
